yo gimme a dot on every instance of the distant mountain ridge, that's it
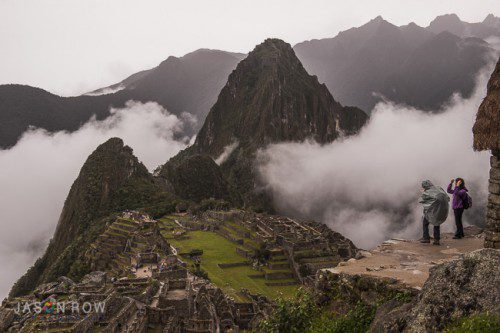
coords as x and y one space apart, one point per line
490 26
413 65
189 84
421 67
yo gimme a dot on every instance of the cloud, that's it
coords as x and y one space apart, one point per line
228 150
105 91
367 186
36 175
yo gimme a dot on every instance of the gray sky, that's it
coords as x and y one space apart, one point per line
70 47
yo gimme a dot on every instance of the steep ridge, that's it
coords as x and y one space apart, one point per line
268 98
111 180
451 22
403 63
187 84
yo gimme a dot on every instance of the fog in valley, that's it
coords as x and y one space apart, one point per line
367 186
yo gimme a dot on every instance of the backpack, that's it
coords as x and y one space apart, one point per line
467 203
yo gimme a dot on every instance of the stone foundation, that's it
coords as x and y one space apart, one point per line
492 232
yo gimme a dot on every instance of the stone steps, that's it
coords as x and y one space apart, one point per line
278 265
278 275
115 229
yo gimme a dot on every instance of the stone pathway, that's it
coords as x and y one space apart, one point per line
145 271
409 261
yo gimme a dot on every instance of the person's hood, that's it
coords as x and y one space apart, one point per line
427 184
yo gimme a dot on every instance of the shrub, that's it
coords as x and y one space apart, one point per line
484 323
292 315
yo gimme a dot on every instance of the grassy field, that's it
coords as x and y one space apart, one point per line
217 249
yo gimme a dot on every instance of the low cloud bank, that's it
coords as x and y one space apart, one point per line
367 187
36 174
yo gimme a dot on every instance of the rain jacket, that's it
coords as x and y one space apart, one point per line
459 196
435 202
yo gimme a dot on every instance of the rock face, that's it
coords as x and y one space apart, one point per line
458 289
269 98
487 136
112 179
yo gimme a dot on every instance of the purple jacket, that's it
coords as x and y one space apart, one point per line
459 195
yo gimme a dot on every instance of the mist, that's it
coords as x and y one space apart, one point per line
36 175
367 186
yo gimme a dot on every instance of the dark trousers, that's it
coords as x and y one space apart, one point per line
437 233
458 222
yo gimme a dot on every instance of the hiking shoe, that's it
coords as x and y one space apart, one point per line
426 241
457 237
436 242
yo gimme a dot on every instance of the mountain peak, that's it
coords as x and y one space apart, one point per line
492 21
268 98
447 22
447 18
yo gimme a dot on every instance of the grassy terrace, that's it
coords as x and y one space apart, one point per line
217 249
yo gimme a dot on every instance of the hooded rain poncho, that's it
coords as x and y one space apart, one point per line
435 202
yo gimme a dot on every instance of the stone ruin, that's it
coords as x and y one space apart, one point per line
167 298
303 246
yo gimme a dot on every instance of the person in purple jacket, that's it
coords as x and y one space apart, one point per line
459 196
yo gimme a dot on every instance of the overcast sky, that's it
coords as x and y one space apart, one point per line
71 47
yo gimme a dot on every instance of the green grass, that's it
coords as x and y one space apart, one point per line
237 226
217 249
485 323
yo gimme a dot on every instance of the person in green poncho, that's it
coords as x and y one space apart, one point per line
435 203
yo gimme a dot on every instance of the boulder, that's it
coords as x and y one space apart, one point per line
460 288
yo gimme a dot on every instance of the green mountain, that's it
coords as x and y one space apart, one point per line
268 98
111 180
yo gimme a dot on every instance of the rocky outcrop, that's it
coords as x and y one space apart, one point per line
454 290
458 289
348 289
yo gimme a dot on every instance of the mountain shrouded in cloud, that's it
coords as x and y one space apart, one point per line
112 179
268 98
420 67
186 86
367 186
36 175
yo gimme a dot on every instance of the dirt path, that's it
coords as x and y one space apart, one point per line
409 261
